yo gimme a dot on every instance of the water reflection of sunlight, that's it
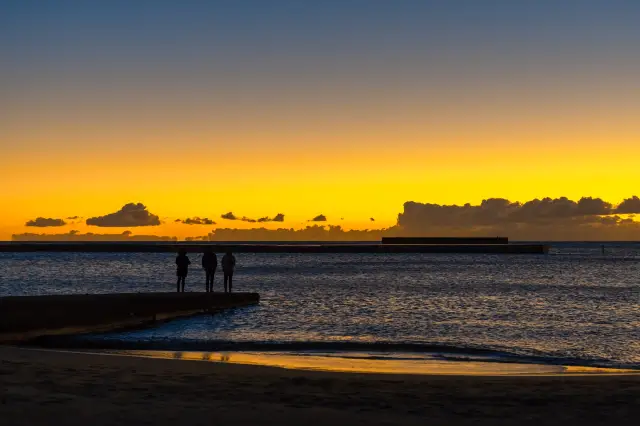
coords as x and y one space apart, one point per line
367 365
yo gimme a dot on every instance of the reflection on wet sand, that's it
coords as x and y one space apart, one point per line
356 364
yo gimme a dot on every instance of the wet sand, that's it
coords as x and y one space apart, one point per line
47 387
351 362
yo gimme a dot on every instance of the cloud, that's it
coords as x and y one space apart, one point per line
319 218
196 221
229 216
131 214
629 206
555 208
538 219
73 218
74 235
546 219
496 211
43 222
200 238
277 218
593 206
614 220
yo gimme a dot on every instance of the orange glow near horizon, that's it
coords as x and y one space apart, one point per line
341 185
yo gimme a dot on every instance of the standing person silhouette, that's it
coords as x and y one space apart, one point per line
209 264
182 262
228 265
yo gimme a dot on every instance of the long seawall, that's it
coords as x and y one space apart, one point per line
24 318
445 240
129 247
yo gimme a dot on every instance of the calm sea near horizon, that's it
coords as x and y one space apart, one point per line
573 305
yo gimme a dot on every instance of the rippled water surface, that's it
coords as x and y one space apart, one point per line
572 305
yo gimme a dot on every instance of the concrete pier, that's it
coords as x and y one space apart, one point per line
27 317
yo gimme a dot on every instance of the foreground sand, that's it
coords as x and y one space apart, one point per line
39 388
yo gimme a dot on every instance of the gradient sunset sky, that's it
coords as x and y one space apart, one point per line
343 108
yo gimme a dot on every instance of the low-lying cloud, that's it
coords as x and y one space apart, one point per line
629 206
309 233
277 218
229 216
546 219
43 222
89 236
196 221
538 219
130 215
319 218
499 211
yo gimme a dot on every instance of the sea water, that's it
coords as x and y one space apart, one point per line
572 306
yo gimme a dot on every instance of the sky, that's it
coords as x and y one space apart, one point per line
342 108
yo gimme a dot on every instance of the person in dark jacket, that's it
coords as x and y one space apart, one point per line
182 262
228 266
209 264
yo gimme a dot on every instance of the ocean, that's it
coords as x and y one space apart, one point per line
574 306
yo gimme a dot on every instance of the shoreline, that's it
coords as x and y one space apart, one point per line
339 363
80 388
100 342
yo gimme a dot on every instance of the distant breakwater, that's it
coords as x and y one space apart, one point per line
129 247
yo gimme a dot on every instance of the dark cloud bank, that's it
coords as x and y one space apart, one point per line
89 236
309 233
43 222
131 214
539 219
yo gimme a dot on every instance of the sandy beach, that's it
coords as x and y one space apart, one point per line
46 387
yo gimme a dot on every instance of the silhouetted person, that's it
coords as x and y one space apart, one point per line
209 264
228 265
182 262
